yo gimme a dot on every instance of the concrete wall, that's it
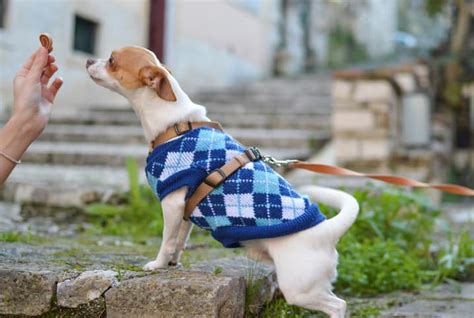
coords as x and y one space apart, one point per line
121 22
220 42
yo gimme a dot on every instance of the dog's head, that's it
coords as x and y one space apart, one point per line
131 68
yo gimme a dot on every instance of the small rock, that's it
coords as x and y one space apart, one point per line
177 294
86 287
26 292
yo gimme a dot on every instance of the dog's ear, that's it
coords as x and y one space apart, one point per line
156 78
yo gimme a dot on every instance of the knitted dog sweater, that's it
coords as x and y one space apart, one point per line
254 202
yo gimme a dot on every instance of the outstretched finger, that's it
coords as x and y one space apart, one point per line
25 68
29 61
48 73
39 63
55 86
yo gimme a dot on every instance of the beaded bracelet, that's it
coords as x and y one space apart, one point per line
10 158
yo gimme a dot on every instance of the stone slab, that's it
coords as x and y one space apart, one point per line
353 120
342 89
87 287
369 91
177 294
26 292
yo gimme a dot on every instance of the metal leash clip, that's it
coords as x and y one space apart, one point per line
278 163
257 155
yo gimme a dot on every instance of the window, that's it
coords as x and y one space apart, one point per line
85 32
3 12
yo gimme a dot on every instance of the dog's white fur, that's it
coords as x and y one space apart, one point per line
305 262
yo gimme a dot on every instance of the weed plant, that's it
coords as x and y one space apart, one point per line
138 218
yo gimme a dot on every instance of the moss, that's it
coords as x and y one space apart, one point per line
217 270
126 267
18 237
72 265
95 308
72 252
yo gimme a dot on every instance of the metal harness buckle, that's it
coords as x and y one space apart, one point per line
178 130
254 153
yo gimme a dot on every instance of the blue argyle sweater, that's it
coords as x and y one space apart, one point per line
255 202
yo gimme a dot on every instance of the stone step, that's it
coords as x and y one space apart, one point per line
68 279
44 152
318 122
270 110
313 85
235 115
280 138
301 103
300 107
125 136
86 175
61 186
115 134
106 117
83 153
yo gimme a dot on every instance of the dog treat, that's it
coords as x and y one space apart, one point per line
46 41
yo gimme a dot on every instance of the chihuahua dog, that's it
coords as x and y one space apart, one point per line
303 255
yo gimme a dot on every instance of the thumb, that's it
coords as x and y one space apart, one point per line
39 63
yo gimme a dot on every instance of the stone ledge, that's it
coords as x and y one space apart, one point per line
177 294
38 280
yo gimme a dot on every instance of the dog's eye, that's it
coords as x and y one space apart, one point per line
111 60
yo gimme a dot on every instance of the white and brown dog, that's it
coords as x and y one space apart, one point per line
305 261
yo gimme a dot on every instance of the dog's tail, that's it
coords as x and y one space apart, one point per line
349 208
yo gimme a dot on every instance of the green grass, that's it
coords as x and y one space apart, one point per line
137 218
19 237
389 247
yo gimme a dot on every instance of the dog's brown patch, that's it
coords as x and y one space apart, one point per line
136 67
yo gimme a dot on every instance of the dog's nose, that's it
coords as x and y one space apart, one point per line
89 62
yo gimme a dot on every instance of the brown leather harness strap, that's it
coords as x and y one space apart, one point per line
216 177
182 128
338 171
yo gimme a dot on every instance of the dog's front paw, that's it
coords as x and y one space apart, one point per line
154 265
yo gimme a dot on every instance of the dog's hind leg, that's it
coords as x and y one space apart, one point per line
305 268
173 211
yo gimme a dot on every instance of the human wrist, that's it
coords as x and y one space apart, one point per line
16 133
25 126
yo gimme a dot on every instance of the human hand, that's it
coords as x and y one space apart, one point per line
33 98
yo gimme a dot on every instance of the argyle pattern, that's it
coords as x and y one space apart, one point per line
254 201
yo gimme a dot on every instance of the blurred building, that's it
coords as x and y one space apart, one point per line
204 42
80 29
